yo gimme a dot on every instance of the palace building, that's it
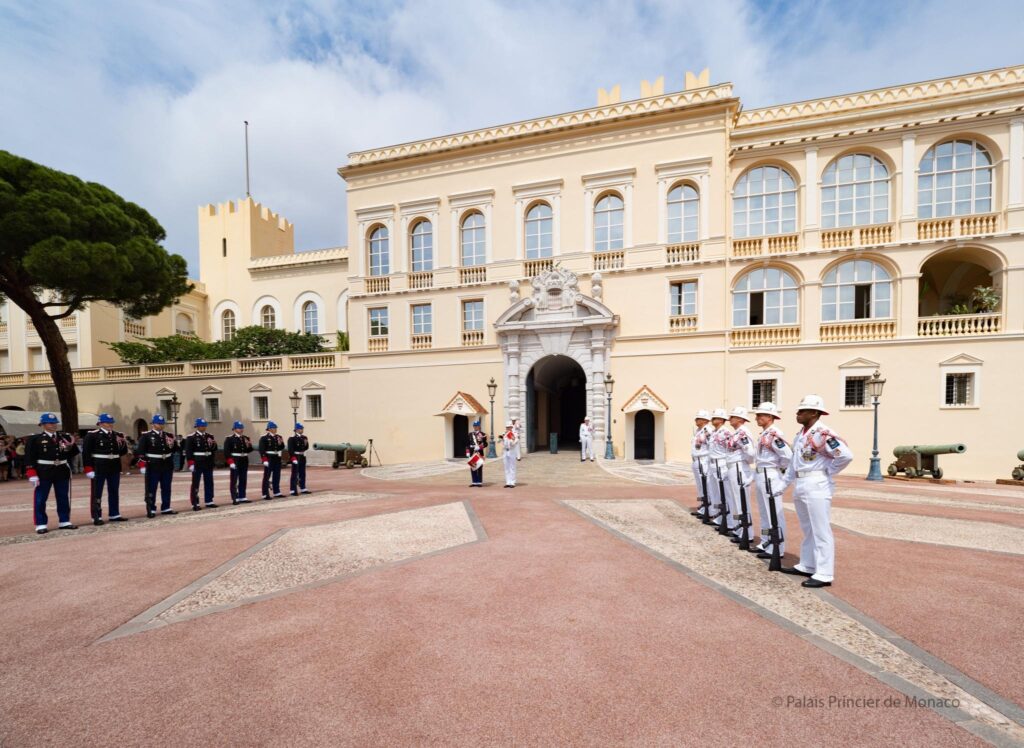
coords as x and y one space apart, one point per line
698 253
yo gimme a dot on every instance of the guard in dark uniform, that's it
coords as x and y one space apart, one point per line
271 447
156 450
476 448
102 450
298 445
200 448
236 451
46 465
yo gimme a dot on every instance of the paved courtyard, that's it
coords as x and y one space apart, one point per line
397 606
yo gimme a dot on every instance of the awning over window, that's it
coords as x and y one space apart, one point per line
25 422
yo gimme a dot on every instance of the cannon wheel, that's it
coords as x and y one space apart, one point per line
910 472
1018 473
363 462
892 469
937 473
334 464
349 464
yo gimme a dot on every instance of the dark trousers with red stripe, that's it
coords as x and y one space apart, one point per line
113 484
204 473
239 477
61 489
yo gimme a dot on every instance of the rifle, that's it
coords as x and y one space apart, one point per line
704 500
745 515
774 534
723 529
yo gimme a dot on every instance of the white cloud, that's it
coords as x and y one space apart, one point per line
149 99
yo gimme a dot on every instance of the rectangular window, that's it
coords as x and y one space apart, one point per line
473 315
213 409
862 301
959 389
855 392
260 408
422 319
757 308
165 411
683 298
762 391
314 407
379 322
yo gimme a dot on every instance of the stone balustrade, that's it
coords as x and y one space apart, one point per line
377 345
948 228
682 323
474 274
377 284
421 342
533 268
756 337
421 279
676 254
957 325
857 330
613 260
472 337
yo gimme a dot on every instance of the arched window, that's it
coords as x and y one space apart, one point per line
766 296
954 179
310 318
539 224
183 325
228 324
268 317
380 252
683 202
764 203
858 289
474 240
609 216
422 239
854 192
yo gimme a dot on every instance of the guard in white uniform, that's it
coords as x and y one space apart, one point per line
510 443
718 470
819 454
773 457
586 440
740 460
517 427
699 454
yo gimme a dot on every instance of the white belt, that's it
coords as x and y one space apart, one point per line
107 457
239 454
201 454
51 462
772 468
719 460
273 453
160 457
297 452
807 473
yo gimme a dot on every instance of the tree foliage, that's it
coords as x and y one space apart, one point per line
248 342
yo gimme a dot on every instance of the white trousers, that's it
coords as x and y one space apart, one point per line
509 458
812 496
587 447
764 514
732 491
696 466
715 488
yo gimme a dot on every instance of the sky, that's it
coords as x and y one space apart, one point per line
149 98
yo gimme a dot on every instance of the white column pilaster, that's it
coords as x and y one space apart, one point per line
662 211
556 225
520 234
1015 194
704 207
455 238
588 220
909 172
811 188
627 216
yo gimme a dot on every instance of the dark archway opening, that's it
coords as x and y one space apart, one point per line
556 401
460 435
643 435
141 427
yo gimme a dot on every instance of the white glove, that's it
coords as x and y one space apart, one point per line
232 466
91 474
142 470
34 480
191 468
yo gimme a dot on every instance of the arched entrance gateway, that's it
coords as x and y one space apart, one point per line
555 346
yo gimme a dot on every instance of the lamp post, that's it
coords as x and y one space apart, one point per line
492 388
295 399
609 385
874 387
175 405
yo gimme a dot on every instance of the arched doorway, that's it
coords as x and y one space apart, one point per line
141 427
556 400
950 281
643 435
460 435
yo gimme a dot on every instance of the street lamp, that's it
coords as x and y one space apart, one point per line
492 388
295 399
609 385
874 387
175 405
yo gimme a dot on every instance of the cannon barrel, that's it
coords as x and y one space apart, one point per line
1020 455
340 447
931 449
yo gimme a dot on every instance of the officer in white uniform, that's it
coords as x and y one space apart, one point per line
586 440
699 455
510 443
773 457
517 427
819 454
718 470
739 459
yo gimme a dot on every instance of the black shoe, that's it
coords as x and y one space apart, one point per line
151 513
67 527
244 501
278 495
697 513
168 511
753 549
196 508
210 505
97 522
735 540
234 502
765 554
305 490
815 583
794 571
41 531
293 493
266 498
117 519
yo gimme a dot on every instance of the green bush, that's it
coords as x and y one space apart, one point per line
248 342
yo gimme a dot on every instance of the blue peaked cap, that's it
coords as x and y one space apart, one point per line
48 418
158 419
238 425
271 425
298 426
106 418
200 422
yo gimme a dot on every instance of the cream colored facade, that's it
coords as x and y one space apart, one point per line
751 294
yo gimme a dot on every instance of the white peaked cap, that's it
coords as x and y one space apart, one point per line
702 414
719 413
740 412
767 409
813 402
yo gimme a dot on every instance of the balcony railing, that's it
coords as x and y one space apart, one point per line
614 260
69 323
533 268
772 245
377 345
682 323
258 365
421 279
947 228
474 274
378 284
857 330
679 253
472 337
957 325
422 342
138 329
753 337
858 236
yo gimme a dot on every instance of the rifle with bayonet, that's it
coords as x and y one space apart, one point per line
774 533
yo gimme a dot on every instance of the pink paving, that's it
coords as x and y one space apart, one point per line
549 631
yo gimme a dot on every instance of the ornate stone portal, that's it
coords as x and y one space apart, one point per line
556 320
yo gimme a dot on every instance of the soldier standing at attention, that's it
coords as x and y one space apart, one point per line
297 448
102 450
156 450
46 464
477 446
740 459
236 451
699 455
773 456
586 440
200 448
718 477
510 442
520 437
271 446
819 454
